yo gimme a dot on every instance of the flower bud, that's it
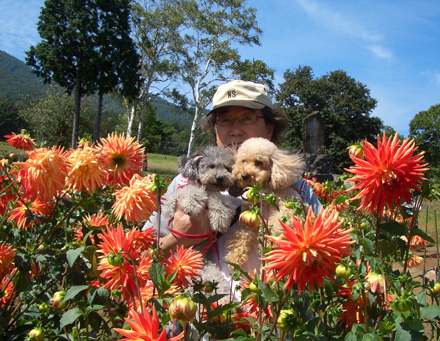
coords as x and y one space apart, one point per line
356 151
36 334
44 308
288 319
436 289
115 259
57 300
250 219
183 309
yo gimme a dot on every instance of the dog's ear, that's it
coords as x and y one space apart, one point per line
189 166
286 169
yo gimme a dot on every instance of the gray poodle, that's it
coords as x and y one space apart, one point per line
209 172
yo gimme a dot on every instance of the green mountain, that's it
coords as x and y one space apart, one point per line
19 85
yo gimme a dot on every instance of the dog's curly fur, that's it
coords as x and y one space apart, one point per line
209 171
259 161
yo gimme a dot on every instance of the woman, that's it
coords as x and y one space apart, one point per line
241 110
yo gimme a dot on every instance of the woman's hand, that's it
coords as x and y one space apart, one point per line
188 225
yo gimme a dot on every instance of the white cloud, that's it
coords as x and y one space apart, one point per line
380 51
343 23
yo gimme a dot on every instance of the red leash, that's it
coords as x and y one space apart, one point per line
198 236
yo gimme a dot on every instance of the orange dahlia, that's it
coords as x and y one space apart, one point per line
98 220
352 311
25 216
144 327
414 260
124 157
6 290
387 174
307 255
187 263
21 141
135 202
86 170
143 240
116 248
43 174
417 242
7 255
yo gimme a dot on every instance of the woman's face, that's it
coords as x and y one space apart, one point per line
234 125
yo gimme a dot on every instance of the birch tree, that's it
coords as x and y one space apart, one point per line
215 29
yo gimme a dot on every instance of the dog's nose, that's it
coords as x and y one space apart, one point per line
219 178
245 176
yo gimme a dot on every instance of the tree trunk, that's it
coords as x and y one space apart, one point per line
131 114
98 119
76 114
193 131
140 125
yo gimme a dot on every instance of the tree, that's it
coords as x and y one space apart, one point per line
50 117
78 38
345 106
214 28
425 129
118 63
10 121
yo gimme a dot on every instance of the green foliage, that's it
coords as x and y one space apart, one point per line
17 83
344 104
425 129
10 121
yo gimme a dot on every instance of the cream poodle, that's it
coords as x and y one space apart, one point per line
259 161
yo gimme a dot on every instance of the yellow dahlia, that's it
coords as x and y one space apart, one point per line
307 254
135 202
387 174
124 157
86 170
43 174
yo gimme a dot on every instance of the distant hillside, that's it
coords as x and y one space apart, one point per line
19 84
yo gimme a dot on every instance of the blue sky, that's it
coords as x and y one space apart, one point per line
393 47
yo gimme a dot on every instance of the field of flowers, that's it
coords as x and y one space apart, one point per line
76 265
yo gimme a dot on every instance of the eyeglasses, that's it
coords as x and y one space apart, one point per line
246 119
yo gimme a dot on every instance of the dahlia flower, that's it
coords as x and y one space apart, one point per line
387 174
115 242
135 202
187 263
375 282
24 216
21 141
144 327
98 220
124 157
307 254
86 170
43 174
417 242
7 255
352 311
6 291
414 260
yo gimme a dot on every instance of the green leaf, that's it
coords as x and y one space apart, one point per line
267 292
73 291
432 311
72 255
420 233
368 245
70 316
394 228
157 275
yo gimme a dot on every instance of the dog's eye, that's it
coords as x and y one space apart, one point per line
258 163
211 166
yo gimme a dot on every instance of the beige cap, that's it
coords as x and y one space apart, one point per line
242 94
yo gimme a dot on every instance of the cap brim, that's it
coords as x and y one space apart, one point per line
244 104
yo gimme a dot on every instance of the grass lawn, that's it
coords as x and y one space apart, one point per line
164 165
